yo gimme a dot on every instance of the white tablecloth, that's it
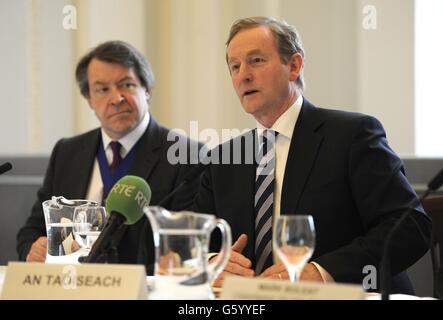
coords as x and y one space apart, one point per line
370 297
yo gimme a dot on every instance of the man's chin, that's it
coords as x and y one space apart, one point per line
120 131
251 108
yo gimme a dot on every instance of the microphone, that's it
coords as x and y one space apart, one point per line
5 167
189 177
385 283
434 184
124 206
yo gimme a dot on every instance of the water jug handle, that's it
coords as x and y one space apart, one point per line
216 266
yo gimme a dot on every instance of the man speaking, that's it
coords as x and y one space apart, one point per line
336 166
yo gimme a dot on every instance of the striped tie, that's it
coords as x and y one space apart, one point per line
264 199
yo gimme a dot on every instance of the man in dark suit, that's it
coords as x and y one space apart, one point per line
117 82
334 165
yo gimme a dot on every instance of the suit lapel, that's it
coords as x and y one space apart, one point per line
236 180
146 159
246 191
245 184
305 143
147 155
84 161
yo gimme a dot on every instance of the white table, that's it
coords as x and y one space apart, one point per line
370 297
2 276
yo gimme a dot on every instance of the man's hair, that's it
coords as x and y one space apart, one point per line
287 39
118 52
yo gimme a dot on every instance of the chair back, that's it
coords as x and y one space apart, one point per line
434 208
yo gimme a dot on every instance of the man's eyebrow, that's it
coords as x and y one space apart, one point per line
99 83
252 52
126 79
248 54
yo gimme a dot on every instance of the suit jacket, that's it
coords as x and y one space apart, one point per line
69 173
341 171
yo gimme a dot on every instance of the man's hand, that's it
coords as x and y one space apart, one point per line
278 271
238 264
311 273
37 253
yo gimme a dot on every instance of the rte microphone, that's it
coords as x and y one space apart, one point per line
385 283
5 167
124 206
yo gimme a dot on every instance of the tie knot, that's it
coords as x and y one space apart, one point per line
268 140
270 135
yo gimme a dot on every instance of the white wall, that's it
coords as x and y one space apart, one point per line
100 21
386 70
13 125
36 76
347 67
428 72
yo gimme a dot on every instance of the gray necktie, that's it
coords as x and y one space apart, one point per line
264 201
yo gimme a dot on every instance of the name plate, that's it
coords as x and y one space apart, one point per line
242 288
38 281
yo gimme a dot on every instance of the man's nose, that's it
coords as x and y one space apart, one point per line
116 97
245 74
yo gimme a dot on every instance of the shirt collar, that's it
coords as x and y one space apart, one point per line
129 140
286 122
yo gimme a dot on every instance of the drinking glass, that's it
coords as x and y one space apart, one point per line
88 222
294 242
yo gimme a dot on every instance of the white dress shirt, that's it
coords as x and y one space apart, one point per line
95 189
285 125
285 128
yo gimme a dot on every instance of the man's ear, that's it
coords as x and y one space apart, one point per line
295 66
148 95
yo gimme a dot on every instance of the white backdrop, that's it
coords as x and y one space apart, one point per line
348 66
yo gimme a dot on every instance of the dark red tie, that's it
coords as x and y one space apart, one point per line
116 157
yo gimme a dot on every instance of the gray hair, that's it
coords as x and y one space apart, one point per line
287 39
118 52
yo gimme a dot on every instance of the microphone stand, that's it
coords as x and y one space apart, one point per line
142 252
104 249
438 270
5 167
110 254
190 176
433 185
385 269
170 195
